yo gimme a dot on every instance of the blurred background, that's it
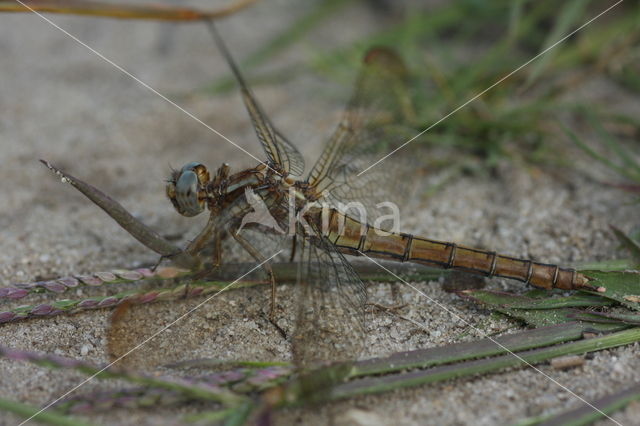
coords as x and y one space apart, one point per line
539 166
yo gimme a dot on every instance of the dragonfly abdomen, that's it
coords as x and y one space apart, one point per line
353 237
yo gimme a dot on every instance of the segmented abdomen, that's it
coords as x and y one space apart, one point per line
353 237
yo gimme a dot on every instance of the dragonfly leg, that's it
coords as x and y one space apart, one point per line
158 262
293 247
267 267
198 243
217 256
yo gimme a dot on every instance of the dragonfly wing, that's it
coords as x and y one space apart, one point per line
131 328
292 160
378 98
371 126
330 297
279 150
282 154
330 321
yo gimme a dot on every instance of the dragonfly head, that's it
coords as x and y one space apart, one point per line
186 189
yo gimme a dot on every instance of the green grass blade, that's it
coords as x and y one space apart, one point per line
569 15
608 317
372 385
592 153
49 416
240 415
515 16
585 415
632 168
194 390
423 358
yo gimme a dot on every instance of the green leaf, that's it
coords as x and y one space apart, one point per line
537 312
623 287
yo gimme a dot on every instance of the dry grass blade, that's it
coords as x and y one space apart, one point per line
122 11
147 236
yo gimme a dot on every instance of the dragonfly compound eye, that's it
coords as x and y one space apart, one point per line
186 189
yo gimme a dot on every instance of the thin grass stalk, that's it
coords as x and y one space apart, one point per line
243 380
68 306
60 285
139 397
199 391
286 273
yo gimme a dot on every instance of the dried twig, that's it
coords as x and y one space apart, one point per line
122 11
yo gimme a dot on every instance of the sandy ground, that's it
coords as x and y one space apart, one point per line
61 102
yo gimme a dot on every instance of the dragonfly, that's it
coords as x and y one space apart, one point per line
331 298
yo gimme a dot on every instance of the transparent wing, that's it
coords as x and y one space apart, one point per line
329 297
132 325
330 322
372 126
291 159
283 155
